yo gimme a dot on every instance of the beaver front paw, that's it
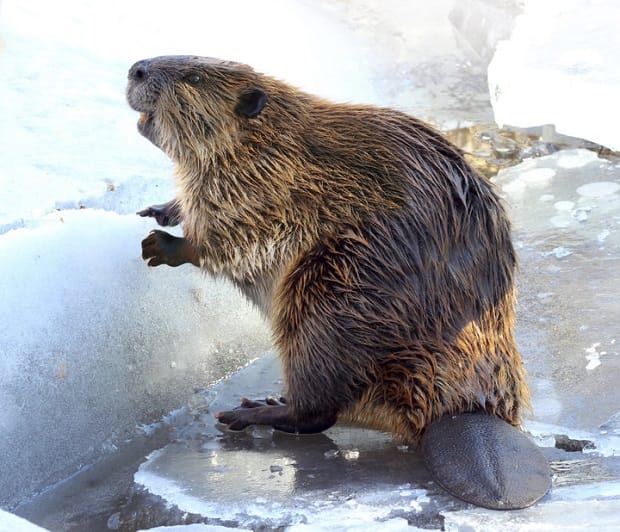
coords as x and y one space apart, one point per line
165 214
163 248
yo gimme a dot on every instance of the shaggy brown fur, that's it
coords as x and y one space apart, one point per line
383 261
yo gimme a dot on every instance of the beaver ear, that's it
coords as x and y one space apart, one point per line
251 103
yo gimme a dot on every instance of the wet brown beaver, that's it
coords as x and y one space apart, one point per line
382 260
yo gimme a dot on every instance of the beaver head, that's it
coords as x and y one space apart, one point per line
186 100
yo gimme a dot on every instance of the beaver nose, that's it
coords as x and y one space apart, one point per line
139 71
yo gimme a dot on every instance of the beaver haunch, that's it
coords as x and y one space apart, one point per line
382 260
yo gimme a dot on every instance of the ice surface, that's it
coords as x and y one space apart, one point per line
577 516
559 66
94 342
567 331
263 478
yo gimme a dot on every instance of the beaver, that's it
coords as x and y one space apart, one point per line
382 260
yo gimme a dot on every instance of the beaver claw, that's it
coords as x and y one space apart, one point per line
485 461
165 214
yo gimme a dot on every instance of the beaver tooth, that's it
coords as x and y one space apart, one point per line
143 118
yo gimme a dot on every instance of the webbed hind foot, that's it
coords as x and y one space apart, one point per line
485 461
275 413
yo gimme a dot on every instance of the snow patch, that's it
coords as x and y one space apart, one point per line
559 67
569 514
12 523
564 205
593 356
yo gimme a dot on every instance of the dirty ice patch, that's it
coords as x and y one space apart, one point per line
379 509
246 512
308 516
605 440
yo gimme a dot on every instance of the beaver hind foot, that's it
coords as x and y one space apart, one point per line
485 461
274 413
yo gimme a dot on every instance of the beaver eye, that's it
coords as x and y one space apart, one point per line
193 79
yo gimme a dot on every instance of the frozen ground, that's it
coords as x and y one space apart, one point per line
96 347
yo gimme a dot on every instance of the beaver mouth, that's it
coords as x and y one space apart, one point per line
141 99
146 126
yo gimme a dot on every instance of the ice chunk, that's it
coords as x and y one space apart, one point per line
535 178
88 336
597 190
593 356
564 205
576 158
